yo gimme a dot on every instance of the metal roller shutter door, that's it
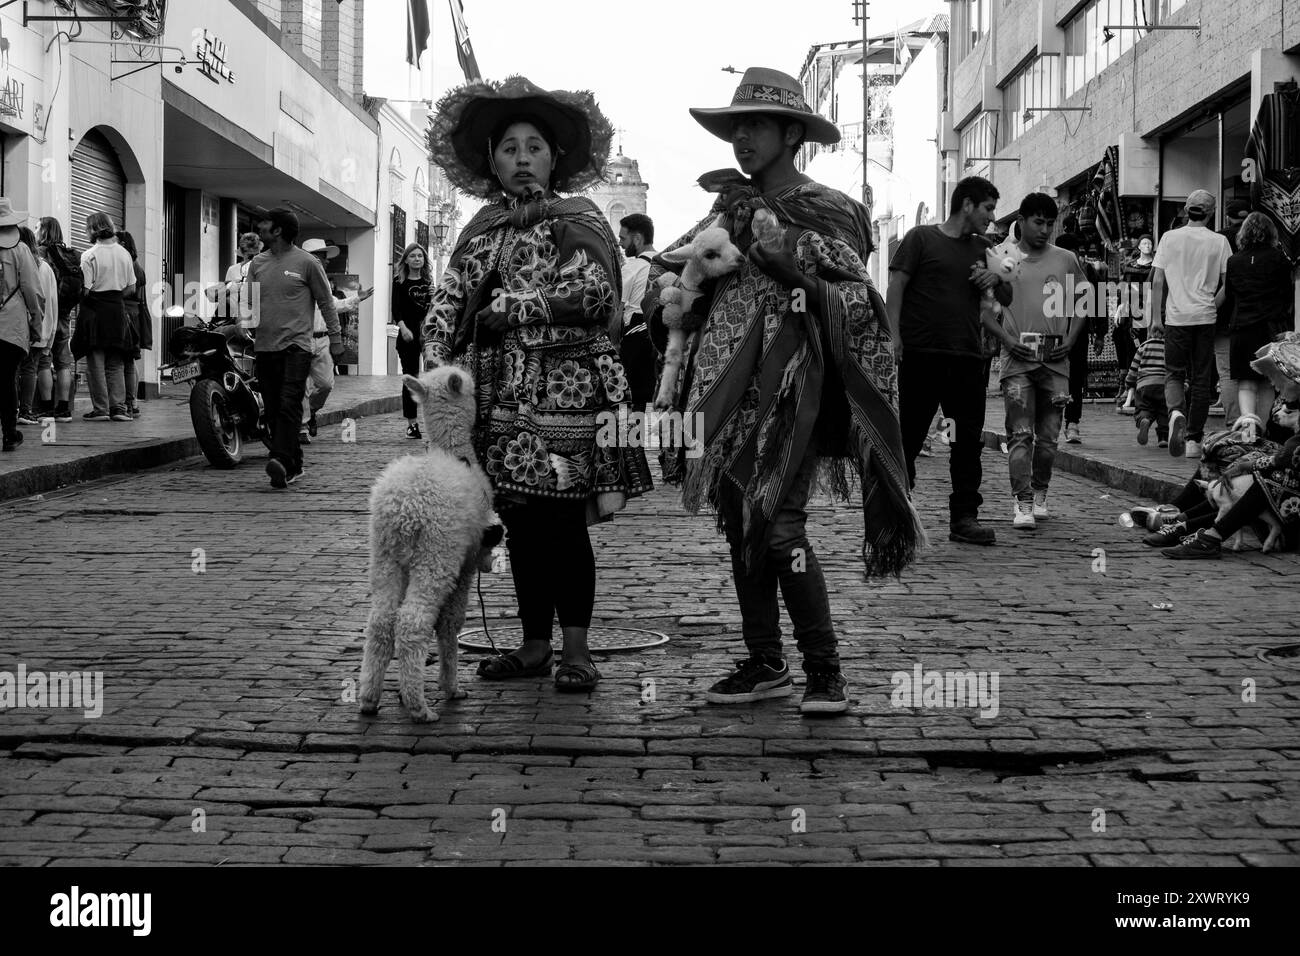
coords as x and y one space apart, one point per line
98 185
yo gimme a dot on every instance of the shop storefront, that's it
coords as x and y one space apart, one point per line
255 126
1206 152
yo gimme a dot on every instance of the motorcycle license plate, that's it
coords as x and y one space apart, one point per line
183 373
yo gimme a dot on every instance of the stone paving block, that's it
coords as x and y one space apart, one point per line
1097 690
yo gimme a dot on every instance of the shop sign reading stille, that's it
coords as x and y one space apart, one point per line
211 54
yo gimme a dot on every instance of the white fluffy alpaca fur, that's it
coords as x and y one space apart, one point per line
709 255
428 518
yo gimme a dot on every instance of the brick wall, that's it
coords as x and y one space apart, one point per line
271 9
302 25
1162 79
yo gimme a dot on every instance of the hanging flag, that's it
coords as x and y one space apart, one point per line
464 52
417 30
1272 165
1110 223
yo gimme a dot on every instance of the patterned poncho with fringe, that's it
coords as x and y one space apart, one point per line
770 383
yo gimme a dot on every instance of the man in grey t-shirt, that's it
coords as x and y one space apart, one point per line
289 285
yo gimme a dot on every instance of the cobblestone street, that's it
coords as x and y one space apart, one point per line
1124 734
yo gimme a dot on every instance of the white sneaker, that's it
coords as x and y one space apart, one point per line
1193 449
1177 434
1024 517
1072 434
1040 504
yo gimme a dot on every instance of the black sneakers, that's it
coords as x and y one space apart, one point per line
12 441
413 430
824 691
759 678
1167 536
1194 546
754 679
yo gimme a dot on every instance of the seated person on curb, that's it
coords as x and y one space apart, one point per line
1275 490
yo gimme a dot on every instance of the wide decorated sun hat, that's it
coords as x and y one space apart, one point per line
768 91
466 117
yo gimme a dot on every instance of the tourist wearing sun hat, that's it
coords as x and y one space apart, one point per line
21 317
524 305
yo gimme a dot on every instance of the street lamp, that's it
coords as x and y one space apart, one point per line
439 231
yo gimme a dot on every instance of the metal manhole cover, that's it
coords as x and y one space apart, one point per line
600 638
1284 655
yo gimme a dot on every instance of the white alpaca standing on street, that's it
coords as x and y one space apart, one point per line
430 517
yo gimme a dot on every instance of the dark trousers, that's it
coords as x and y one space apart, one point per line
552 563
282 378
790 566
409 357
957 384
639 365
1125 348
11 356
1151 405
1078 380
1189 374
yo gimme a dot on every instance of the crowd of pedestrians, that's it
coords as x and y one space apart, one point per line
58 307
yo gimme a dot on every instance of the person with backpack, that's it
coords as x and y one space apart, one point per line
66 263
20 317
103 333
137 313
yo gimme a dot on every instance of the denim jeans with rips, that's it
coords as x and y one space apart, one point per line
1035 400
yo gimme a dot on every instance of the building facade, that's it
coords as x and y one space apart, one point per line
269 117
895 148
1040 90
623 192
80 133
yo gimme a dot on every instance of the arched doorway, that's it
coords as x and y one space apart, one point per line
617 211
98 185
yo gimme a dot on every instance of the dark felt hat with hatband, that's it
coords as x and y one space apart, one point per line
467 116
772 92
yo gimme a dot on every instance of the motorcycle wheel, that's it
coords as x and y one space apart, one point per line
218 436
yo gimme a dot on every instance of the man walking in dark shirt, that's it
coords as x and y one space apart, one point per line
936 281
288 285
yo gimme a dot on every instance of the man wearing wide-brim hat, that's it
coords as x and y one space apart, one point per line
791 374
21 317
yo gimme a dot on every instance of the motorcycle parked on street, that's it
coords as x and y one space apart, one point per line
225 404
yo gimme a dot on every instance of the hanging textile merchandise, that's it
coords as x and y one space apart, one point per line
1105 199
1273 164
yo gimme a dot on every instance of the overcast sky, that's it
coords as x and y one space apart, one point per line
646 63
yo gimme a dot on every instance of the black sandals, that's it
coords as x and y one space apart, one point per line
509 667
576 678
